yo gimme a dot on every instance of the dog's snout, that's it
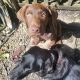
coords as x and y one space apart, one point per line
34 29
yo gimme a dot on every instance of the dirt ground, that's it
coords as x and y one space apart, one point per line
20 37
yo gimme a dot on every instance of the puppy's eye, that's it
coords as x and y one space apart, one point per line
43 14
29 12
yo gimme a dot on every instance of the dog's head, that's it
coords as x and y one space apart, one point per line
39 18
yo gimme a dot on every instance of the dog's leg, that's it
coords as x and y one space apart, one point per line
48 44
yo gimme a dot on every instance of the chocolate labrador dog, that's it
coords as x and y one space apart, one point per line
58 63
41 23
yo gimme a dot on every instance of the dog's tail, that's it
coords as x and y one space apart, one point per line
19 72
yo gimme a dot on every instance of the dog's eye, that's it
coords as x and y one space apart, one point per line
29 12
43 14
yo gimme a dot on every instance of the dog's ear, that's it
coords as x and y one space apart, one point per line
21 13
53 25
52 10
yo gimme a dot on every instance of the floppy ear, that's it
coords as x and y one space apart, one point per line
21 13
49 8
53 25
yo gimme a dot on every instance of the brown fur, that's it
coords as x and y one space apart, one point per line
40 20
42 24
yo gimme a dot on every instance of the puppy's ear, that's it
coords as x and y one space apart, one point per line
21 13
52 10
55 29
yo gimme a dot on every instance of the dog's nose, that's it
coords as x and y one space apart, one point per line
35 29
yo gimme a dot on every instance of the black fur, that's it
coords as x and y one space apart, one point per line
58 63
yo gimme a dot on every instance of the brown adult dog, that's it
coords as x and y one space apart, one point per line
41 22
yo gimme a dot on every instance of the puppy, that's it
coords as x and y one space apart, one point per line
42 25
58 63
41 22
35 60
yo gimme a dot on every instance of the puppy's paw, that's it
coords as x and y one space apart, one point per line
34 41
43 46
46 45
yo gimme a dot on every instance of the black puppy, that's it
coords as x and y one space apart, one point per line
55 64
35 60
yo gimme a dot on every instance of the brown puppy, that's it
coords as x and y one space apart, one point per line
41 22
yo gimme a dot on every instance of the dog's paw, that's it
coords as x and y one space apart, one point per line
34 40
46 45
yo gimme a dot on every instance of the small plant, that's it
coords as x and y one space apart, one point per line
4 55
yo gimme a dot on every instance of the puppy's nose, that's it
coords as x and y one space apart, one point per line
35 29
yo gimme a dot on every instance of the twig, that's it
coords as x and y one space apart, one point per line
7 38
